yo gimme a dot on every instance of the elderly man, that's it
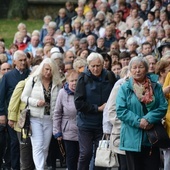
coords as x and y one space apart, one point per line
69 56
4 152
87 30
92 43
5 67
7 85
35 43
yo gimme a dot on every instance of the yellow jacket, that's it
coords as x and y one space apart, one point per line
167 117
16 105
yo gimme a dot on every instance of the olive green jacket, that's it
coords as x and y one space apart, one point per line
16 105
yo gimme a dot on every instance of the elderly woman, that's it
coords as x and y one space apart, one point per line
138 92
64 120
92 91
41 102
111 124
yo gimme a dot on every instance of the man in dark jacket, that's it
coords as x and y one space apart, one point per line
92 91
7 85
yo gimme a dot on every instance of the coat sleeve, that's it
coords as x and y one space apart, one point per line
123 113
3 92
57 116
80 98
13 108
27 92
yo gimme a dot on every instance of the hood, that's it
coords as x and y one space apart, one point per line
66 88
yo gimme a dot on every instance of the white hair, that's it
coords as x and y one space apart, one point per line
131 40
18 54
52 24
94 56
54 69
48 17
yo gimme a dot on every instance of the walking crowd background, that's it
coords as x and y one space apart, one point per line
86 73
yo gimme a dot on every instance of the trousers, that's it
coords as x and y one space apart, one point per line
40 139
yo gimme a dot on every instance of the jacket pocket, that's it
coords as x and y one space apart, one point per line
65 126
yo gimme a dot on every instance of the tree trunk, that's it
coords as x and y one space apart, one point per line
18 9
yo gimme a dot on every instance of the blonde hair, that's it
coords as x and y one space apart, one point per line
54 69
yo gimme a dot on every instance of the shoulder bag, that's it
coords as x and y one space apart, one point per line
157 135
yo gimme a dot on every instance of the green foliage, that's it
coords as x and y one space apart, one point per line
8 28
18 9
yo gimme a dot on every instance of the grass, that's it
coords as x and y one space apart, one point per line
9 27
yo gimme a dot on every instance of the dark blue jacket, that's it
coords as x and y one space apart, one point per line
66 19
7 86
91 92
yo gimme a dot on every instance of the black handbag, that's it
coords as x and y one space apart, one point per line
157 135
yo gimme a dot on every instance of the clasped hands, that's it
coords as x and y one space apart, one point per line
144 124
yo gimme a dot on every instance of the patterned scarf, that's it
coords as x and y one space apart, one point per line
143 91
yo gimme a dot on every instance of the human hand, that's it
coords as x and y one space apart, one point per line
101 108
11 123
143 123
3 119
41 103
60 138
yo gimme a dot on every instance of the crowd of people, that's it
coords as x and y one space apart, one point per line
90 71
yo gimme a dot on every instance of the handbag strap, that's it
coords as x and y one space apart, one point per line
33 82
107 139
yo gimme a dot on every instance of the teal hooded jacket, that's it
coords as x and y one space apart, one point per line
130 110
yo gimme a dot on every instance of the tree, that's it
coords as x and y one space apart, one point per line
18 9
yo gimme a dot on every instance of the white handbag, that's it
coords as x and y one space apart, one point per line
105 157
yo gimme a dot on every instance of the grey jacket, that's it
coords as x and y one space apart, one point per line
64 118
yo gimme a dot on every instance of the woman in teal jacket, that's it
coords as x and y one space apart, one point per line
139 89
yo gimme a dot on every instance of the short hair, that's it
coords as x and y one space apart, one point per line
131 40
79 62
151 13
94 56
36 32
19 53
52 24
71 73
117 63
48 17
54 69
21 25
137 60
145 43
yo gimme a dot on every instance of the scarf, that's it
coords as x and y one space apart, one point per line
143 91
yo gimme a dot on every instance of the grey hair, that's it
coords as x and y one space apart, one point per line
79 62
52 24
138 60
48 17
131 40
18 54
54 69
94 56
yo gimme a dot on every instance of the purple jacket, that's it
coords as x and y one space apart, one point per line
64 118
